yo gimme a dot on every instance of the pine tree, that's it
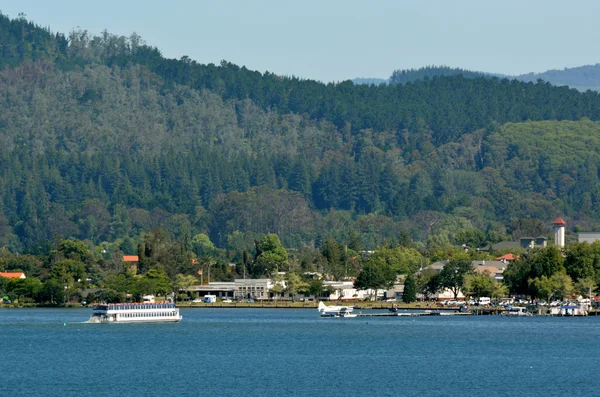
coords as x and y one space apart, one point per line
410 289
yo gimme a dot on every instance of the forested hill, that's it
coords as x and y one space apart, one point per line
404 76
369 81
102 138
582 77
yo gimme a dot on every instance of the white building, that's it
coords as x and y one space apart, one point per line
589 237
241 288
344 290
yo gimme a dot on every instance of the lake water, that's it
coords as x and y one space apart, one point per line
271 352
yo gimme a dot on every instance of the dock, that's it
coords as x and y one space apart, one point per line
418 314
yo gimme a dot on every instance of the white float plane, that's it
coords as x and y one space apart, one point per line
335 311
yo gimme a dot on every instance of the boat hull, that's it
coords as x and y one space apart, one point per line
109 320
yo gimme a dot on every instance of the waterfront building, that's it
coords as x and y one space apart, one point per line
259 289
344 290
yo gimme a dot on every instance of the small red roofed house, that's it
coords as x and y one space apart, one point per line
12 275
132 261
507 258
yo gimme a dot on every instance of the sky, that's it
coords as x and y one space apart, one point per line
336 40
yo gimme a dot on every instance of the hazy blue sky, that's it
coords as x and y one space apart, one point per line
343 39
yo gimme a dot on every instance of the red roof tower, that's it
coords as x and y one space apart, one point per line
560 221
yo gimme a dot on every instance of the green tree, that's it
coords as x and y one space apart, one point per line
332 252
563 285
453 273
375 276
272 256
27 288
557 286
579 261
75 250
499 289
410 289
294 285
68 272
184 282
401 259
542 287
586 287
202 245
478 285
53 292
428 283
316 288
517 275
156 281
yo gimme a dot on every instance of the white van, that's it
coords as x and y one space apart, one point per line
484 301
210 298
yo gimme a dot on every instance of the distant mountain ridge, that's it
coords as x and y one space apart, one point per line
581 77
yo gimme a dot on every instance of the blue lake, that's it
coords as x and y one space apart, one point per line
264 352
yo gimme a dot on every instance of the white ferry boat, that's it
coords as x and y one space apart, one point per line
135 313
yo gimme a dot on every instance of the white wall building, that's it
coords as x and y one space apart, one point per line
241 288
344 290
589 237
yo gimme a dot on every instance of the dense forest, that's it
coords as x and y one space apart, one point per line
103 139
411 75
583 78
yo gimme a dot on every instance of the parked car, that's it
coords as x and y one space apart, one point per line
227 300
391 300
197 301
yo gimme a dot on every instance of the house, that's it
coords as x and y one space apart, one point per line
133 259
494 268
133 262
533 242
507 258
504 245
12 275
524 242
589 237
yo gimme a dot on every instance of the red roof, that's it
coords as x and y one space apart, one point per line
560 221
507 257
131 258
12 274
